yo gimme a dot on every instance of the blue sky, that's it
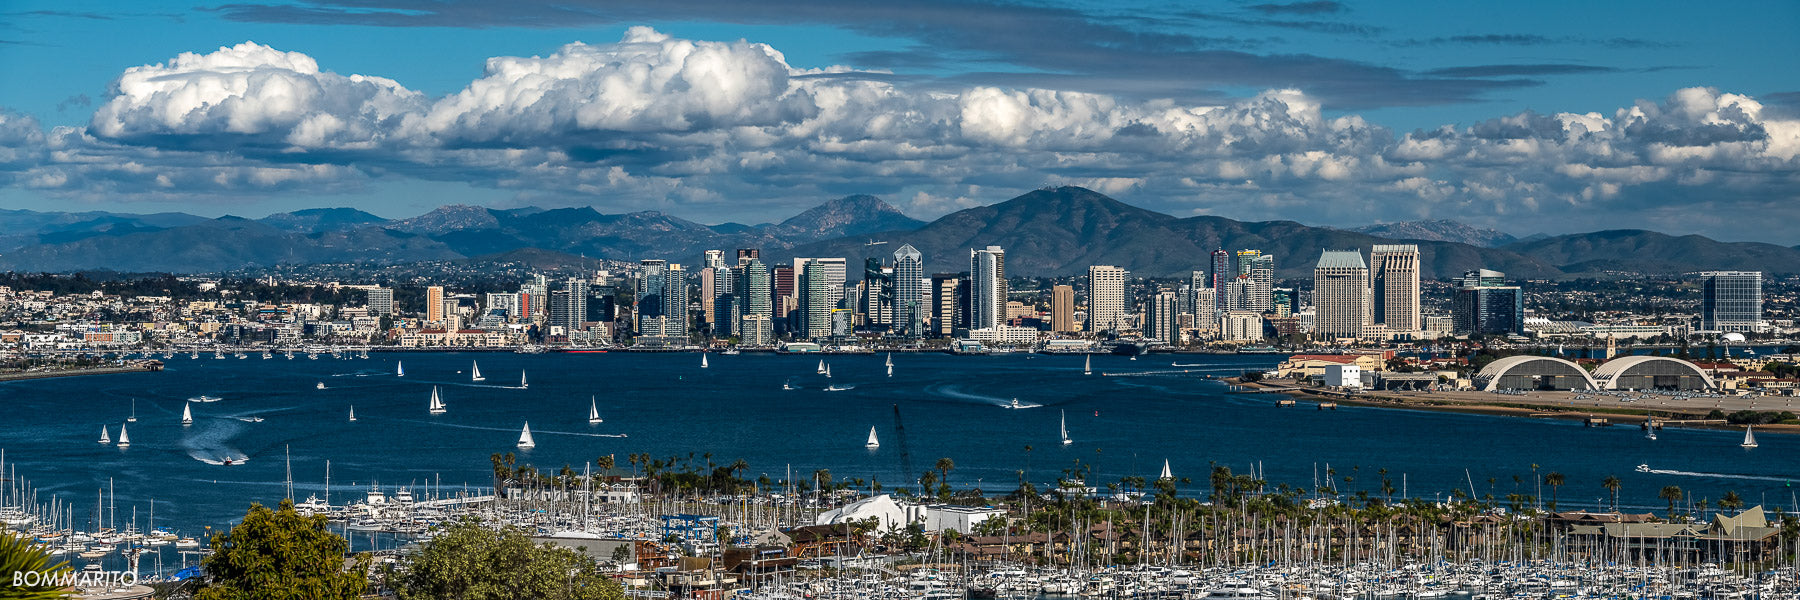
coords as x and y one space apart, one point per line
1525 116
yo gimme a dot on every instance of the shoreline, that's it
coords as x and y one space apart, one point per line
1613 416
26 376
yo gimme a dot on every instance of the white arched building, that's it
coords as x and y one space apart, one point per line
1651 372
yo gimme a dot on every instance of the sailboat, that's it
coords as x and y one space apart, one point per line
1065 428
828 371
437 404
1749 437
872 443
1088 368
822 370
890 364
187 415
703 360
399 367
593 411
522 383
1650 429
1166 474
133 417
124 440
353 413
104 438
475 372
525 438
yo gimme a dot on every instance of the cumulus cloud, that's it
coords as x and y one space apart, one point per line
728 130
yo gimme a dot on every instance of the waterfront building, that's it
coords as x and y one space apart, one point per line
909 292
949 303
1340 294
1485 305
501 303
1221 272
755 330
1394 277
1160 320
434 304
1731 301
816 304
1258 272
562 310
987 287
1062 309
1106 298
381 301
1241 326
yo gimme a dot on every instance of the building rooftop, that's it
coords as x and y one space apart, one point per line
1341 259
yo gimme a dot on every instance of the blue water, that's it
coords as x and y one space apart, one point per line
1124 424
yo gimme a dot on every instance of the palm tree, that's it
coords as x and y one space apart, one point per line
1671 493
1611 483
944 467
1555 481
18 556
1731 501
605 463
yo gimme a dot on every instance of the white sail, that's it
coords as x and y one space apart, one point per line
522 383
475 372
104 439
124 439
525 440
890 369
702 360
352 414
593 411
872 443
827 371
187 414
1065 428
822 366
1749 437
399 367
1088 369
890 361
1165 473
437 404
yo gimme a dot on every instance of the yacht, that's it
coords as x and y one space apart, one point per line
1643 468
321 385
1015 404
1749 437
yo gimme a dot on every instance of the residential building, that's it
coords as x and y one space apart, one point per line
381 301
987 287
949 303
1106 298
1484 305
1241 326
434 304
1062 309
1160 318
1221 272
1394 277
1258 272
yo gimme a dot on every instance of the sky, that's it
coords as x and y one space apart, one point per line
1525 116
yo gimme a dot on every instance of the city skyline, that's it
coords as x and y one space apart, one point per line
1322 112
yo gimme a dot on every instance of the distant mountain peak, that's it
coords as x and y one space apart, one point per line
1439 230
859 214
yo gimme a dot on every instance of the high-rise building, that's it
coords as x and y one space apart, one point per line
1160 320
1106 298
751 295
1258 271
709 293
1221 273
652 280
745 255
1341 294
568 306
500 303
712 259
909 291
1062 309
434 304
987 288
1731 301
675 302
815 299
1394 277
381 301
875 295
1240 326
754 330
1485 305
836 272
949 303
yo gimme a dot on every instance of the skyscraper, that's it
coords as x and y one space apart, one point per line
752 291
987 288
1062 309
1341 294
744 255
712 259
875 295
815 299
1731 301
1106 298
909 292
1160 322
1484 304
709 293
577 303
1258 271
675 302
1394 277
949 303
434 304
381 301
1221 272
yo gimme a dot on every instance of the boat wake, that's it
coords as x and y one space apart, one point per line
211 444
1720 475
533 432
951 391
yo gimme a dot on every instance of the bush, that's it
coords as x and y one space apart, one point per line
473 562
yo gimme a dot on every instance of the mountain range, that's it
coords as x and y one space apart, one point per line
1052 231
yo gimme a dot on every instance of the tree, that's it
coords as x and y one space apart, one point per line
471 562
1611 483
1671 493
18 557
281 554
1731 501
1554 480
605 463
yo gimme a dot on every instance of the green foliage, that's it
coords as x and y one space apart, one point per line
279 554
1751 417
17 556
472 562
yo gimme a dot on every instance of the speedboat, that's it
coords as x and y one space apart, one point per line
321 385
1015 404
1644 468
